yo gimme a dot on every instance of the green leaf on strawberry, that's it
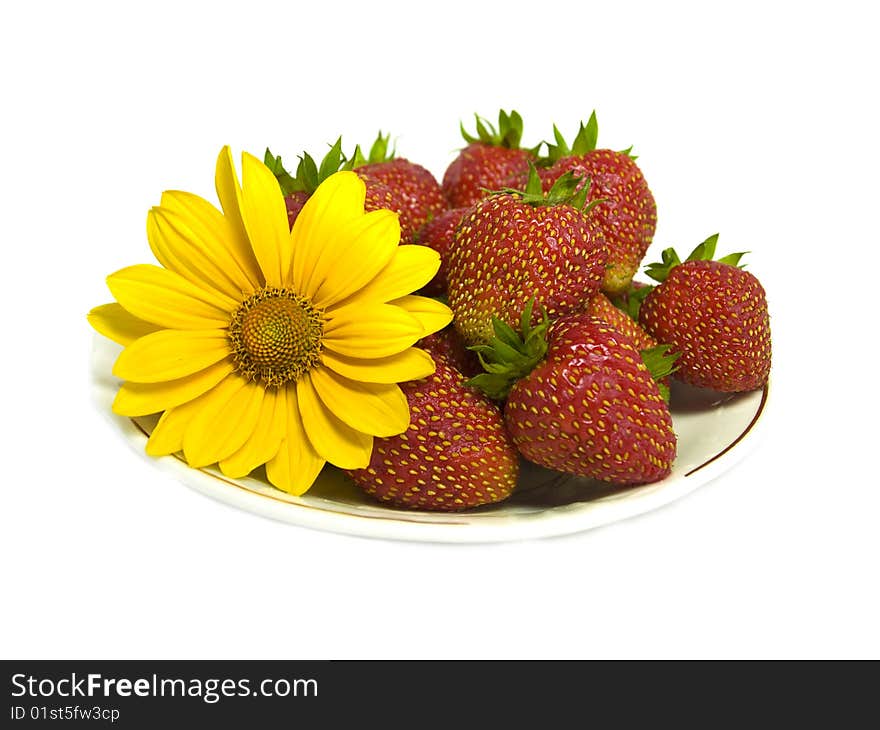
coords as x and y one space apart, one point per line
660 362
308 174
569 189
733 259
379 152
705 251
630 300
508 133
509 355
585 141
285 179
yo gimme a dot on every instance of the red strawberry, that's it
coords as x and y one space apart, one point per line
448 345
491 161
515 246
438 234
381 196
294 203
627 213
414 188
715 315
583 402
601 307
656 356
455 454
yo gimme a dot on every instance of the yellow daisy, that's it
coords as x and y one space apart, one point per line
264 345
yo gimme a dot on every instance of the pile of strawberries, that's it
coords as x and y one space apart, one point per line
555 353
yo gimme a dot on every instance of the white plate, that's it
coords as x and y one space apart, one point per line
714 432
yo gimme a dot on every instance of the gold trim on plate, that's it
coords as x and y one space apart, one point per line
739 438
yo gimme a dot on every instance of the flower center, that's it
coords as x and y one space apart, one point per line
276 336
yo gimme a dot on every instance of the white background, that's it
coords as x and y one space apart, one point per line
756 121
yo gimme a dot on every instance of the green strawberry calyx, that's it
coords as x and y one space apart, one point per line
510 355
379 152
569 189
309 175
507 134
630 300
660 362
705 251
585 141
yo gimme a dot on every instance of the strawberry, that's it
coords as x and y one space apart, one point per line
414 188
438 233
714 314
381 196
448 346
626 214
518 245
309 175
294 204
601 307
455 454
656 356
492 160
580 399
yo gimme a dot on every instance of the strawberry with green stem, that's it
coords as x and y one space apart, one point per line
493 159
413 186
380 193
580 398
714 314
521 244
627 214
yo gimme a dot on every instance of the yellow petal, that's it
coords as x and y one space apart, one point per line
354 256
372 330
171 354
141 399
377 409
409 270
167 436
229 193
432 314
337 201
336 442
296 465
191 254
209 224
265 220
112 321
264 442
225 422
411 364
167 299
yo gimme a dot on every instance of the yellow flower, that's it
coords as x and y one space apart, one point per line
262 345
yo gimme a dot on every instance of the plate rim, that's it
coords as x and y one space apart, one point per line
388 523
